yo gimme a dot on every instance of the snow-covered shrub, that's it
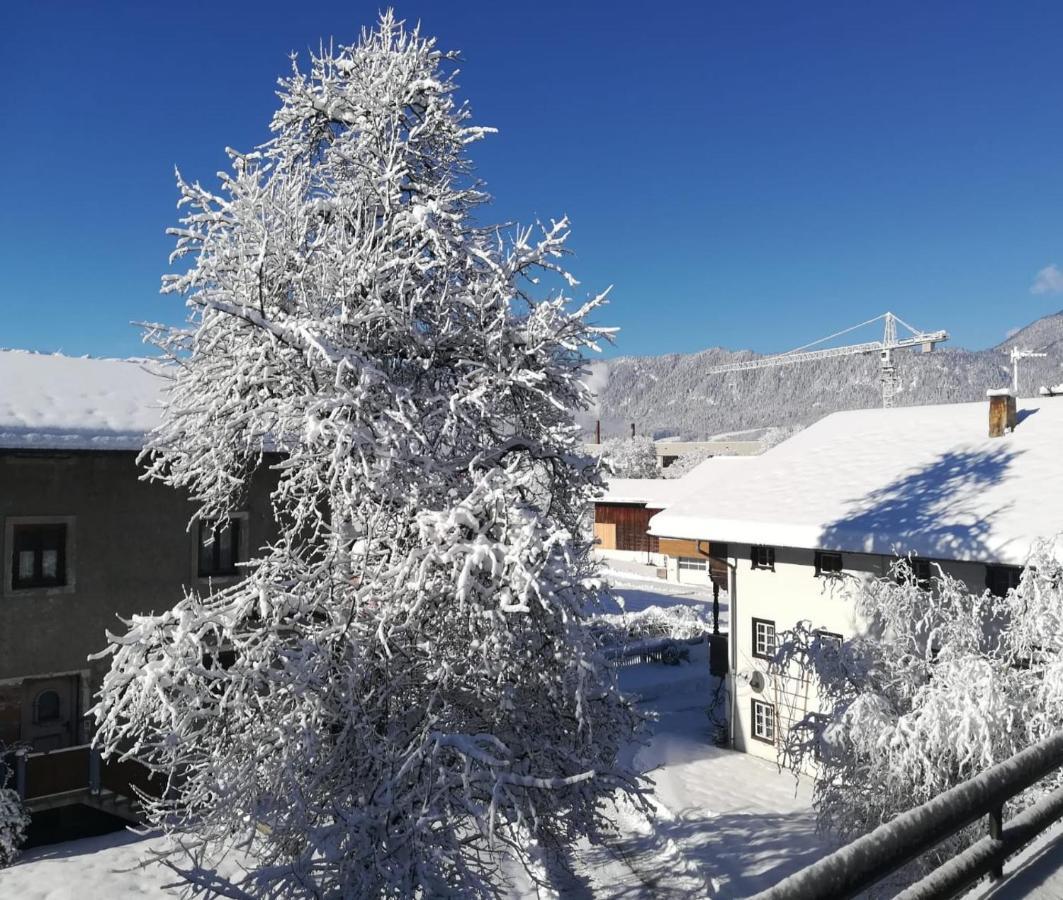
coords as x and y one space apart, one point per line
776 434
679 622
413 690
633 457
943 684
13 824
686 463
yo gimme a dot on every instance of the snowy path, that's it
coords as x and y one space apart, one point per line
729 824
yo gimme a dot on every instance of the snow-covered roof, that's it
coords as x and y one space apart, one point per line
54 402
661 493
926 480
656 493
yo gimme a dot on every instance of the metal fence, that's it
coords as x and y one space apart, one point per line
670 651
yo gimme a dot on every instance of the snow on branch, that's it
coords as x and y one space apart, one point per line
941 684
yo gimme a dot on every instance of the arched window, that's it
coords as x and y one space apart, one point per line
46 707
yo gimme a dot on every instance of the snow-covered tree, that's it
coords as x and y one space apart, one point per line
776 434
13 821
942 684
633 457
412 689
686 464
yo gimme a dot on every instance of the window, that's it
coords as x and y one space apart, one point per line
830 644
828 563
1001 579
764 638
921 573
219 548
38 555
762 557
46 707
763 719
693 565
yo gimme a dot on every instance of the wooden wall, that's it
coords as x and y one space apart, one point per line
631 522
677 547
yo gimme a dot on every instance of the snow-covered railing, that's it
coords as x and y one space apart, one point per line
860 865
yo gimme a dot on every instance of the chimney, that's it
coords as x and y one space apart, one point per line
1001 412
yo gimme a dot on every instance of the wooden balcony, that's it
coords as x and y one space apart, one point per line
78 775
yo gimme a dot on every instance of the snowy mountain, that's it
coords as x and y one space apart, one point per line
675 395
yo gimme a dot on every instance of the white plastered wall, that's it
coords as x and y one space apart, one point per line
786 596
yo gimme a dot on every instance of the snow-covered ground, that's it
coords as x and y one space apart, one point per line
640 591
727 824
116 866
1036 872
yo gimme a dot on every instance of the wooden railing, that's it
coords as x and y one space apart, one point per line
868 860
54 772
57 772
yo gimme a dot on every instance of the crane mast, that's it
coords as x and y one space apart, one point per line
884 348
1016 355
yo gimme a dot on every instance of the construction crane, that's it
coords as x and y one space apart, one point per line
1016 355
885 348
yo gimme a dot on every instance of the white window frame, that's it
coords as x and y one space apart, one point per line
760 627
764 724
693 564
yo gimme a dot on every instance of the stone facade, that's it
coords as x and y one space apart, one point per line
128 550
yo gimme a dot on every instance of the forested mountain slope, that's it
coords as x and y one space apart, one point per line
675 395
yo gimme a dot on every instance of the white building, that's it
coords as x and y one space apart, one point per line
846 497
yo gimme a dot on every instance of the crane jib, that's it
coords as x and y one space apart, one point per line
885 347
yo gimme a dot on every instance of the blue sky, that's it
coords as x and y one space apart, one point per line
745 174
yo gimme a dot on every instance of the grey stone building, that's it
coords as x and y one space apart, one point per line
83 540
